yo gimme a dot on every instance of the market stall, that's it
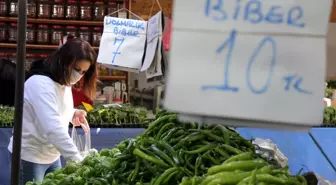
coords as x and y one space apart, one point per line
194 144
298 147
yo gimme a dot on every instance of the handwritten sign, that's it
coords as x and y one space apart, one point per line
261 62
123 43
152 40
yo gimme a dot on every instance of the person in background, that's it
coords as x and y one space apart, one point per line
79 96
7 82
48 108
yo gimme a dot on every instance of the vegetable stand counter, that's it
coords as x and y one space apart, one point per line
298 147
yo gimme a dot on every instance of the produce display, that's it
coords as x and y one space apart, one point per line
329 89
126 116
173 153
329 116
6 117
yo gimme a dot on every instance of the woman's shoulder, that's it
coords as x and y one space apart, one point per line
40 83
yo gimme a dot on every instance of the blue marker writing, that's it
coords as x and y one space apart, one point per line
125 32
261 45
291 80
116 52
230 42
217 8
254 12
296 82
125 22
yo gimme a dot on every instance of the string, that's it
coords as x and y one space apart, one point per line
135 15
153 3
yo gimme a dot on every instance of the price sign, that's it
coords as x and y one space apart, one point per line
257 61
122 45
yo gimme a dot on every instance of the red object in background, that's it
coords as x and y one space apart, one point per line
79 97
166 35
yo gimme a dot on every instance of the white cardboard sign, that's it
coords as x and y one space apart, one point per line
155 36
153 33
259 63
122 45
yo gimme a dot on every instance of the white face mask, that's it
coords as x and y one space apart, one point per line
75 77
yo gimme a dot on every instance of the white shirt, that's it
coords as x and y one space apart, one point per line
47 110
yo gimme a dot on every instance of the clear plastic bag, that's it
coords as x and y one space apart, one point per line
82 141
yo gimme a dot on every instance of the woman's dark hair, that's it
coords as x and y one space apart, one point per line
60 64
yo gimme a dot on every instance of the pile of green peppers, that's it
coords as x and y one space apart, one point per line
173 153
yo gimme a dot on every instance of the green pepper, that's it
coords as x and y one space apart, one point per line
166 180
211 135
121 146
163 129
213 160
292 181
100 181
231 149
67 181
203 149
171 150
225 178
159 121
225 134
173 132
136 170
189 138
240 157
87 173
141 154
253 179
78 181
187 160
191 181
58 171
104 152
162 155
269 179
176 140
71 167
49 176
165 175
237 165
60 176
222 153
198 164
180 156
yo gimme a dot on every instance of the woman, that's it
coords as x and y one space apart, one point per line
48 108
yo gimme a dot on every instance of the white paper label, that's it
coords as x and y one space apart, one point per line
123 43
154 30
257 60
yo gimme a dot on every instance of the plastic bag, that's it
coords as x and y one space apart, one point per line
82 141
270 150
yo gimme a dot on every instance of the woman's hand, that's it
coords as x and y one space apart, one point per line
79 119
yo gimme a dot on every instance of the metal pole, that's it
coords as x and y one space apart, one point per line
19 88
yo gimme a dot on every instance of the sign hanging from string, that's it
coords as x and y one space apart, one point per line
122 45
259 63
